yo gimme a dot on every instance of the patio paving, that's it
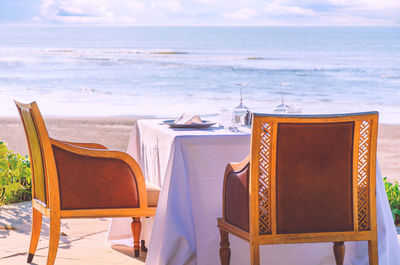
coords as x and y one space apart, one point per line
83 241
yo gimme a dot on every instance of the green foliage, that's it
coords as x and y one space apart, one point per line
393 193
15 176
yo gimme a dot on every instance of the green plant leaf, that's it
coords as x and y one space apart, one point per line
3 150
393 194
4 164
15 176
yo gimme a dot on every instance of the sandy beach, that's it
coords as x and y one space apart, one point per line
114 132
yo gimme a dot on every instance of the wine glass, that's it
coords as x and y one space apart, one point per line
240 114
283 107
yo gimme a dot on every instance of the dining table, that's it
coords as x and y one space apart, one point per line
189 165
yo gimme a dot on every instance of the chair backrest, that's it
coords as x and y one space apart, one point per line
40 152
312 174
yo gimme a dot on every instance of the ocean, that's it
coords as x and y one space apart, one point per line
165 71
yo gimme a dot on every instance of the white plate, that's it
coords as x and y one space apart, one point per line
203 125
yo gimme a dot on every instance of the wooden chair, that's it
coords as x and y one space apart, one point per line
312 179
81 180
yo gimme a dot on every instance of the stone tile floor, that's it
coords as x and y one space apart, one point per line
83 241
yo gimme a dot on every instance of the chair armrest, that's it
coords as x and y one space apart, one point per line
236 194
237 166
85 145
97 178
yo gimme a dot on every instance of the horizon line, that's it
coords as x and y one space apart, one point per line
187 26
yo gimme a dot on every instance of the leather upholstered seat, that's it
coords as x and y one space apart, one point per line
81 180
307 179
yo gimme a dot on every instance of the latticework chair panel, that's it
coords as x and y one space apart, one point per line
312 179
80 180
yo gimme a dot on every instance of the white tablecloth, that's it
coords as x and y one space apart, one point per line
189 165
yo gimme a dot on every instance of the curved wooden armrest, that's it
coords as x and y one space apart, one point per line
79 167
237 166
85 145
236 194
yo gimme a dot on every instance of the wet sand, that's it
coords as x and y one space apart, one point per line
114 132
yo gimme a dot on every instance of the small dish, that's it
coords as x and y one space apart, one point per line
203 125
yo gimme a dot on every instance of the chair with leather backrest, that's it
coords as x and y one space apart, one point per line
307 179
81 180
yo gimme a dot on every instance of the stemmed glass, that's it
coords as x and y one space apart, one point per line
282 108
240 112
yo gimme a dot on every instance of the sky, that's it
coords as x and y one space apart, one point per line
201 12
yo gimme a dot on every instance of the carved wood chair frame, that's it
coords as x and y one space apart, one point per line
262 188
47 202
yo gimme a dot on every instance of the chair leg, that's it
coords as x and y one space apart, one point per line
254 254
136 226
373 252
338 250
54 239
224 251
36 227
143 246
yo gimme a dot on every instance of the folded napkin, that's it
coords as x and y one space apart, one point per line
188 119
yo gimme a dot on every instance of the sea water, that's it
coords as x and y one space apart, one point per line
166 71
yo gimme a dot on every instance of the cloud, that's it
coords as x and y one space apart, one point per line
220 12
108 11
171 6
62 12
77 12
242 14
333 12
276 10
